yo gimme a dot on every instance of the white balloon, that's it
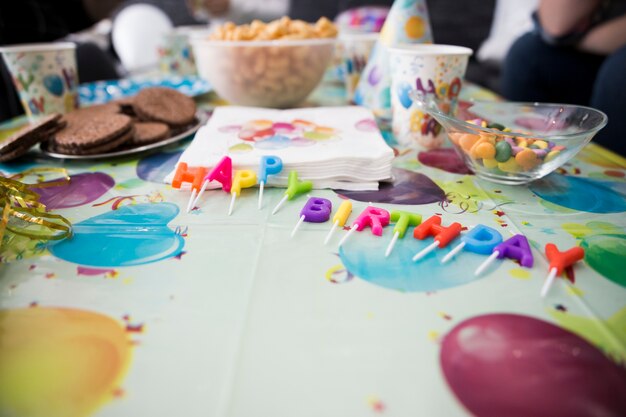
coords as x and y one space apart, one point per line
137 33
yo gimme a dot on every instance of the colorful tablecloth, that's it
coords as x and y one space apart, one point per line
150 311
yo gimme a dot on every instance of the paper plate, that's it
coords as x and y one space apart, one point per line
201 117
104 91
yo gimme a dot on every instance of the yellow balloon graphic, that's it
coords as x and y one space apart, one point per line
58 362
414 27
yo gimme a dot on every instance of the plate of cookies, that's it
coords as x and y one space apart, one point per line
155 117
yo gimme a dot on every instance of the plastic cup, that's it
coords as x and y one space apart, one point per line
435 71
45 76
356 49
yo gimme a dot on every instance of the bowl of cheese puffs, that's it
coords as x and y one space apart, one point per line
276 64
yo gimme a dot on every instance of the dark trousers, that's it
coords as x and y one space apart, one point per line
536 71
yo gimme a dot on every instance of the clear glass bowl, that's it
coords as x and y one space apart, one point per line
278 73
515 143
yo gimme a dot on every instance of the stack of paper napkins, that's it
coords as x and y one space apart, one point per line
334 147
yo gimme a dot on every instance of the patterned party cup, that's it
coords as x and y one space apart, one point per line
45 76
356 49
435 71
175 52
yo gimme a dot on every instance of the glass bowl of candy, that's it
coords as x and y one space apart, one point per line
277 64
515 143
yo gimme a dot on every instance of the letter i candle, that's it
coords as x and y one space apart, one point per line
442 235
340 218
516 247
403 220
316 210
222 173
374 217
559 261
270 165
295 187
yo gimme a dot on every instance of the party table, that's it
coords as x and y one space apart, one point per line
151 311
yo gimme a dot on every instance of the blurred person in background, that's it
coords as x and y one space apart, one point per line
36 21
576 54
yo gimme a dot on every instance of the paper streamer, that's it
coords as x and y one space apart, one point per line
407 22
24 215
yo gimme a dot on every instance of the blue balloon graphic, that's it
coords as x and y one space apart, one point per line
54 84
403 94
363 255
582 194
131 235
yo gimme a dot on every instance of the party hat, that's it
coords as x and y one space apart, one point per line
407 22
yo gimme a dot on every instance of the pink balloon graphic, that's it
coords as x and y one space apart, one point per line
516 366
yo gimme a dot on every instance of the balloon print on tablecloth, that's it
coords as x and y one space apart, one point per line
363 255
606 254
82 189
605 248
407 188
131 235
155 168
77 358
446 159
582 194
517 366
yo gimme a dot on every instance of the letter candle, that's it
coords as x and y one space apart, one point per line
340 218
442 235
192 175
558 262
244 178
270 165
516 247
316 210
403 220
481 239
374 217
222 173
295 187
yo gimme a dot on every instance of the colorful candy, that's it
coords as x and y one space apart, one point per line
505 152
295 187
442 235
481 239
559 261
270 165
403 220
516 247
375 218
340 218
316 210
243 179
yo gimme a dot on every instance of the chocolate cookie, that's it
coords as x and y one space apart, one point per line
20 142
149 132
91 130
161 104
103 148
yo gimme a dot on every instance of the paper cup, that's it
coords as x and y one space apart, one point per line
175 52
356 49
435 71
45 76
